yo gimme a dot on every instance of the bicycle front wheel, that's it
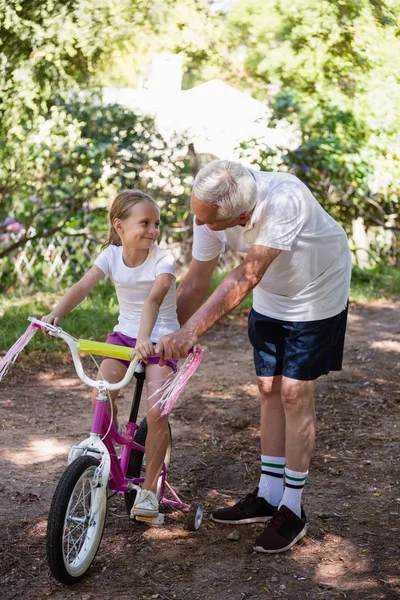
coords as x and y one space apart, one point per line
73 533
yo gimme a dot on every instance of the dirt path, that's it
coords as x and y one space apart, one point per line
352 496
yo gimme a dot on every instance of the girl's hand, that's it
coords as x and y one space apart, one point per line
51 319
144 348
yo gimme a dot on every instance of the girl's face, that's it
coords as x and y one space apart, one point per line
141 229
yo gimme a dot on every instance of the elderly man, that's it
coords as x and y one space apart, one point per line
298 266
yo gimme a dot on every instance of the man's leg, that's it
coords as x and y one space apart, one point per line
298 402
288 525
272 431
272 421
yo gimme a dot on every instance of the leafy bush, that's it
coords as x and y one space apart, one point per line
378 282
69 169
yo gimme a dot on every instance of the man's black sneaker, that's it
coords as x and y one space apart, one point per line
250 509
282 532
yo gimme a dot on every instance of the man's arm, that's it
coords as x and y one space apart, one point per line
194 287
232 289
226 297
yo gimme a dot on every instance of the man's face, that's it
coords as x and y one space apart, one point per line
208 215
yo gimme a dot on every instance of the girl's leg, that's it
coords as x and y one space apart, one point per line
158 433
113 371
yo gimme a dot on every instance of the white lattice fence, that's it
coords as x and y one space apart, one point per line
55 254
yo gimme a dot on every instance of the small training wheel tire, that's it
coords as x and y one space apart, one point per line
195 516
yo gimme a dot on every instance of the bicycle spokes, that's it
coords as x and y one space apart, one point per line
76 536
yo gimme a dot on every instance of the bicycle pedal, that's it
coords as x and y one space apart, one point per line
152 521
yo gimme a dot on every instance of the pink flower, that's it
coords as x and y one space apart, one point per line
12 224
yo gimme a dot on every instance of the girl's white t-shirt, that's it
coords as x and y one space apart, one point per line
133 286
310 279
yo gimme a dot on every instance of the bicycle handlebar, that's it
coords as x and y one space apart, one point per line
102 349
89 346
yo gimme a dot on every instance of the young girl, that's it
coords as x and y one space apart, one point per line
144 277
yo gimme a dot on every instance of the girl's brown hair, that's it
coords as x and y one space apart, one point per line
120 209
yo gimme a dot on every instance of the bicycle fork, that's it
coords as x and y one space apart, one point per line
94 446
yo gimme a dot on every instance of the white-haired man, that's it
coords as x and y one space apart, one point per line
298 266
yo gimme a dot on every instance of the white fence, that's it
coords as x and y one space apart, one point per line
56 256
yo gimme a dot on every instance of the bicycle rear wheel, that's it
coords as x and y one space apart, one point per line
73 534
136 460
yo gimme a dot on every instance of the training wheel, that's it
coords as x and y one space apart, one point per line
195 516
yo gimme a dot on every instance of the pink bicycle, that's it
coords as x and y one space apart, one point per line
78 511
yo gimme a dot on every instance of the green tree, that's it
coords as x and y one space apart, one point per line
326 68
75 163
62 158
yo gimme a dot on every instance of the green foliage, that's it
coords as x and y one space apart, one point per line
336 158
328 77
185 27
96 316
64 157
324 68
48 48
73 164
379 282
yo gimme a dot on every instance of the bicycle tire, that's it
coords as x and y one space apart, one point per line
59 521
136 460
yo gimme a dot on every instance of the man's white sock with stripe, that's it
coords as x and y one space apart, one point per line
271 481
294 483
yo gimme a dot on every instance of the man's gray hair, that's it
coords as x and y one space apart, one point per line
228 185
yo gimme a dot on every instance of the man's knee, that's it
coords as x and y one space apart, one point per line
296 393
269 386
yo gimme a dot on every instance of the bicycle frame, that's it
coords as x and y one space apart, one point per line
79 507
112 471
118 480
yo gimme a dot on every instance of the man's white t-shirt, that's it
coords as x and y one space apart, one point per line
310 278
133 285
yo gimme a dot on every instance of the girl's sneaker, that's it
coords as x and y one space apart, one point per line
145 505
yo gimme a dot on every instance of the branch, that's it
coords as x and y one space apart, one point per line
25 239
80 233
368 216
33 214
376 204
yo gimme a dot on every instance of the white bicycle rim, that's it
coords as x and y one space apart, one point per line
199 517
82 532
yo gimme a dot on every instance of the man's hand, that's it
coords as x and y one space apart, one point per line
175 345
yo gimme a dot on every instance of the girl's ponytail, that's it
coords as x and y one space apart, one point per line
113 238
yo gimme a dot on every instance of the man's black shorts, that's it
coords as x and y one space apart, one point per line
302 350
